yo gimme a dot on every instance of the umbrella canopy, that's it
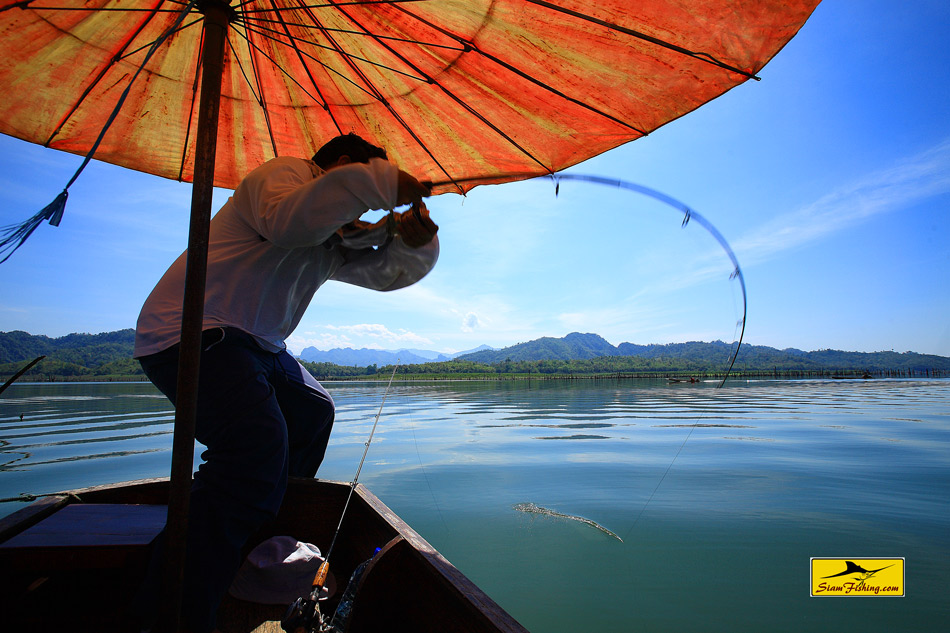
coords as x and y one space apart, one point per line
459 92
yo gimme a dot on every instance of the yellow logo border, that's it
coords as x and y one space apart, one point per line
853 581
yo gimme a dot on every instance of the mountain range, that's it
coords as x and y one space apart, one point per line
715 354
364 357
110 353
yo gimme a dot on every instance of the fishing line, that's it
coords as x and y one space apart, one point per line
688 215
358 470
425 475
304 614
692 427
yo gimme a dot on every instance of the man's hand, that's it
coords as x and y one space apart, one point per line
415 227
409 190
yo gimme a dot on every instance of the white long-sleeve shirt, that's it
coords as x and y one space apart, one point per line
266 257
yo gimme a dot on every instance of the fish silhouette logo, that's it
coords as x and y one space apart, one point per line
854 568
857 577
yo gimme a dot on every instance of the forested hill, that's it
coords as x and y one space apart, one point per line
699 356
109 355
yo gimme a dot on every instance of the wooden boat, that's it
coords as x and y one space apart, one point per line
73 561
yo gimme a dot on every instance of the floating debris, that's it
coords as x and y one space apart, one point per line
531 508
750 439
704 426
572 437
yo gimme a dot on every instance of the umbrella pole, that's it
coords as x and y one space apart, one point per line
217 16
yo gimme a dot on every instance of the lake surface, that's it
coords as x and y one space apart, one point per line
721 496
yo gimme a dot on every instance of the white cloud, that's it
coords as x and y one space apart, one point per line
368 335
922 176
470 322
883 191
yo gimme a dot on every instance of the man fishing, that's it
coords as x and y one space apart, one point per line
291 225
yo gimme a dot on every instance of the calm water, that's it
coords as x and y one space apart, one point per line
718 520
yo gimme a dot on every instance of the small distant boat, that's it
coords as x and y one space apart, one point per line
865 376
73 561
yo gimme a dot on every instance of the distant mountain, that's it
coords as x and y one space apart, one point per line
88 356
71 356
89 350
577 346
349 357
574 346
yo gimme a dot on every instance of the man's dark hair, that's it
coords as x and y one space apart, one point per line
351 145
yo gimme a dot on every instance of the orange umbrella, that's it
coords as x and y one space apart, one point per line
455 90
459 92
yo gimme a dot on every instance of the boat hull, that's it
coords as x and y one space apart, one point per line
91 578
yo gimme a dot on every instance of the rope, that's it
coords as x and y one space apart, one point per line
16 234
29 498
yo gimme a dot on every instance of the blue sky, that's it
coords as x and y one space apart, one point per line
830 178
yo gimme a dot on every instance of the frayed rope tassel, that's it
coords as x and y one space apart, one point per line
15 234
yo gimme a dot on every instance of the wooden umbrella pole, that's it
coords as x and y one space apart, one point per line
217 16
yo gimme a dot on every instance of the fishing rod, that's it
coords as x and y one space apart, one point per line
688 215
305 612
21 372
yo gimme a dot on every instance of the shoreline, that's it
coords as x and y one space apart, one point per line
673 376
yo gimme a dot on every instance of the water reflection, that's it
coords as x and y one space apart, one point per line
746 482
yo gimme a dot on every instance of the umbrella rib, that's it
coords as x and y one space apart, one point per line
300 56
191 110
260 89
412 132
368 85
279 67
455 98
247 79
470 46
557 92
259 94
26 5
328 5
95 82
703 57
362 34
148 44
328 68
358 33
277 37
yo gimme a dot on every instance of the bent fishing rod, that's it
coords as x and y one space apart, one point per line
304 613
688 215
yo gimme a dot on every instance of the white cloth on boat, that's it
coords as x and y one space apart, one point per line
267 257
278 571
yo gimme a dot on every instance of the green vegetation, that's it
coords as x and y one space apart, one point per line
76 357
108 356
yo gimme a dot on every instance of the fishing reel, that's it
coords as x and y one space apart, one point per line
414 227
303 616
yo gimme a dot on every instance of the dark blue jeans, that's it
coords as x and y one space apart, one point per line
261 416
